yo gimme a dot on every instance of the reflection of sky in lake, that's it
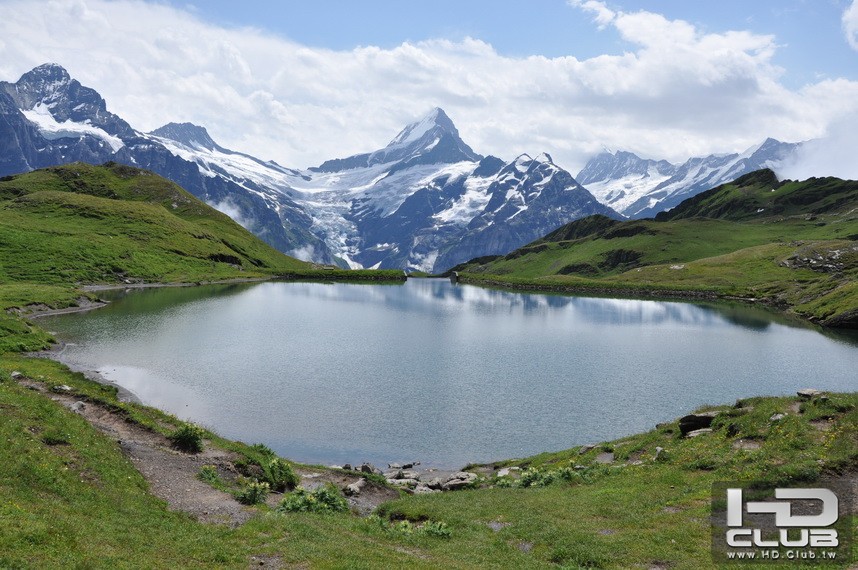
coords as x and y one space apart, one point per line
436 372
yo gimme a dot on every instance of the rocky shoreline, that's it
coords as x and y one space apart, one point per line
409 478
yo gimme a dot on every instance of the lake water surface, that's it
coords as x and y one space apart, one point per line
436 372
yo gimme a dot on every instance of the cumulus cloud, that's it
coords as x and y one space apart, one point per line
679 92
832 155
229 208
850 24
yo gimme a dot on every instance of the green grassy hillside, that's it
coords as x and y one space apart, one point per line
91 224
792 245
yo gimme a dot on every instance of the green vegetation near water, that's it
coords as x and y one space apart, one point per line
791 245
69 498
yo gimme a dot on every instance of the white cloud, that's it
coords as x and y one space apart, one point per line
850 24
679 92
601 13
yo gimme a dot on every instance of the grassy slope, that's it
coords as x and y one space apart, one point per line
754 238
82 223
68 498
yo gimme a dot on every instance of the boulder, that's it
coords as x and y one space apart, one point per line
369 468
809 393
347 466
407 474
693 422
459 480
410 483
777 417
698 432
585 448
17 375
437 483
394 466
424 490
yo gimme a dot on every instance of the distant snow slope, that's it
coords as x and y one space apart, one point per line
639 188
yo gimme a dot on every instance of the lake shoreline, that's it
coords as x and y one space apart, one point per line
844 323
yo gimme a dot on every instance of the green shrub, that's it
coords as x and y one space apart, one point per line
435 529
325 499
188 437
280 475
253 493
533 477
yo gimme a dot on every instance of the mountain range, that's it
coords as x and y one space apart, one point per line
641 188
426 201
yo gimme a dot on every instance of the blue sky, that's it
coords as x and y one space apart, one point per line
304 82
807 31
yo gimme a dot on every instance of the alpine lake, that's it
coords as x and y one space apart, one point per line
437 372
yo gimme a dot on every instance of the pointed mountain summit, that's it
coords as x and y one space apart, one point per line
188 134
49 91
433 139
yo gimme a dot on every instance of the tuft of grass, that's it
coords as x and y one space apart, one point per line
188 437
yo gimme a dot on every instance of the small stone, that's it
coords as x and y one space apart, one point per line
504 472
367 468
424 490
347 466
409 475
410 483
777 417
62 389
17 375
698 432
659 453
78 407
585 448
355 488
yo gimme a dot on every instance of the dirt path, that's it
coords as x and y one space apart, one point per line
172 475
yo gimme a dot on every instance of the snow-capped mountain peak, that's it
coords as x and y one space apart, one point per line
437 119
432 140
42 85
60 104
188 134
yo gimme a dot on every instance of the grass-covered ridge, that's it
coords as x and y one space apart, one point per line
101 224
790 244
